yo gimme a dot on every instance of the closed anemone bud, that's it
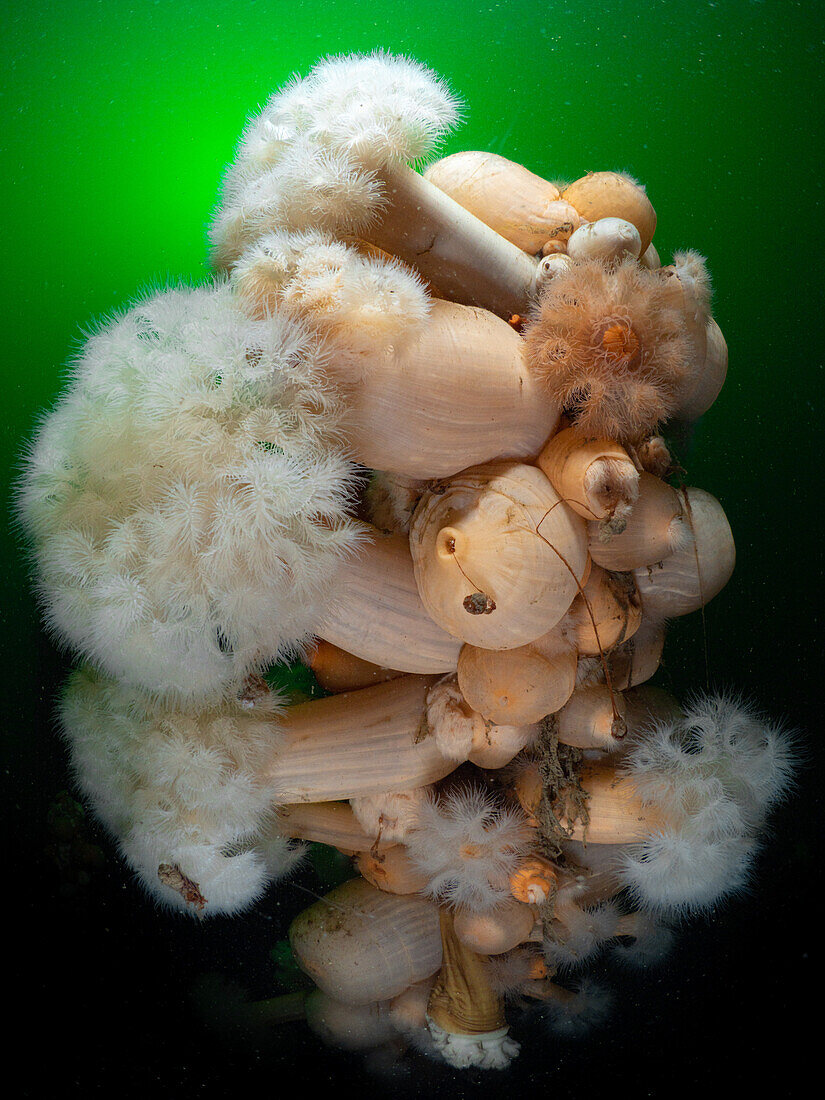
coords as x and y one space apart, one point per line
360 945
498 744
607 239
650 258
495 930
347 1026
408 1011
462 734
336 670
376 611
456 252
549 267
326 743
391 870
655 528
519 686
528 788
453 723
498 531
468 845
647 705
596 477
699 394
593 718
518 204
331 823
634 661
613 195
606 614
692 574
459 382
562 220
533 881
617 812
390 817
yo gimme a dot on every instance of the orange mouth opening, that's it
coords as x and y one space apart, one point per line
620 343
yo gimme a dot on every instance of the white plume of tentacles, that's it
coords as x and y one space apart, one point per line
468 846
567 1013
579 935
512 971
309 158
650 944
188 498
180 790
689 265
584 1010
370 304
714 774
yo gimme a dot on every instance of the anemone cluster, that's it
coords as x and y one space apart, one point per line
484 607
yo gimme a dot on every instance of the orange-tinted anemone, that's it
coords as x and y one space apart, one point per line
533 881
612 345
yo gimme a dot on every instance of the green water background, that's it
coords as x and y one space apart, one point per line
118 119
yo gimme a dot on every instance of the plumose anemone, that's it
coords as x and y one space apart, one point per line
612 346
188 498
180 790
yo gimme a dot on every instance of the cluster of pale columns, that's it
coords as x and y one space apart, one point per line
533 553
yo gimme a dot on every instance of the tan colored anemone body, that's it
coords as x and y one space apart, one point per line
611 345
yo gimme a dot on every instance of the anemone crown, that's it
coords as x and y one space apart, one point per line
612 346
